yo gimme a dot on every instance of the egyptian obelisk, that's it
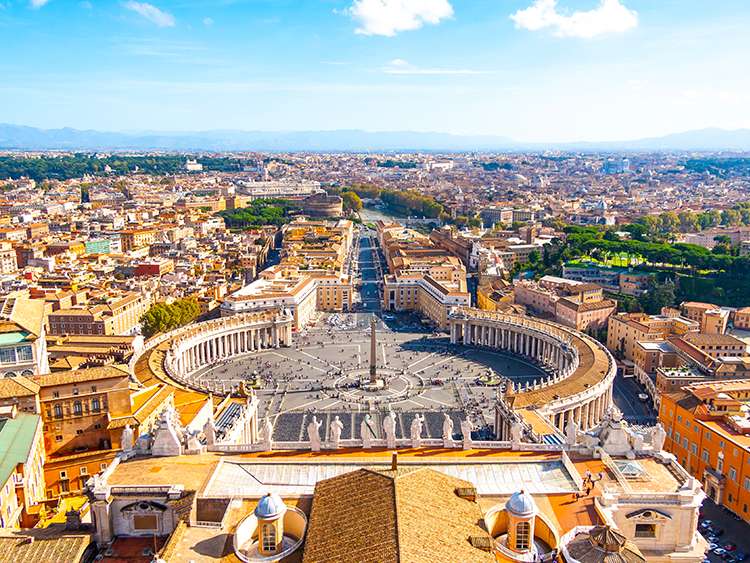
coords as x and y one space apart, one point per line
373 352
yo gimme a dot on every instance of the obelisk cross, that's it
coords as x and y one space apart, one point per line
373 351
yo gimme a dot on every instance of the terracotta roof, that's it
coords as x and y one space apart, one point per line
81 375
49 545
18 386
704 339
391 516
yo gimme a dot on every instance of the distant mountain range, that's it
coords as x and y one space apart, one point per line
17 137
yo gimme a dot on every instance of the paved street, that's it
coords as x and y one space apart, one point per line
625 395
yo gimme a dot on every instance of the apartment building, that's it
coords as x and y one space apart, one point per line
423 276
115 314
742 318
575 304
708 430
711 318
8 259
22 460
625 330
286 287
136 239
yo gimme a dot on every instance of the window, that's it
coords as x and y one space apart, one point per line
58 411
77 408
96 405
720 465
63 474
269 537
694 449
523 530
56 394
58 438
79 432
677 437
645 530
705 457
732 473
685 442
102 466
24 354
84 470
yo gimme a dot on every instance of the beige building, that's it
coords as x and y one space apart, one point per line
626 329
710 317
135 239
107 315
8 261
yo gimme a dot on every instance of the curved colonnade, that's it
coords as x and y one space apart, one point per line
580 388
202 344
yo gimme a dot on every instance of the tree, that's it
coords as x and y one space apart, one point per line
163 317
352 201
658 296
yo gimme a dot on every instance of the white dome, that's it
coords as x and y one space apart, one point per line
270 506
521 504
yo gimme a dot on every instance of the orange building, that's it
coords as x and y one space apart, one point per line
708 430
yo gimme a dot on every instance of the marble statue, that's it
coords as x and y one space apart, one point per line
127 439
571 432
447 431
389 427
336 427
466 428
365 430
416 430
267 434
313 433
658 436
209 431
516 433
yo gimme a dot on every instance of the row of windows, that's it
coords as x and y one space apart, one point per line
16 354
57 410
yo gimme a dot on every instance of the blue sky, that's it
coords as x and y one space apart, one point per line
532 70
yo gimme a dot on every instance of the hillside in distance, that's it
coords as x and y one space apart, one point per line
18 137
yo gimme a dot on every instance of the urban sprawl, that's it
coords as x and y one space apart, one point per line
374 357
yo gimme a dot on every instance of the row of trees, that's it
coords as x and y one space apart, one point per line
163 317
665 225
75 166
258 213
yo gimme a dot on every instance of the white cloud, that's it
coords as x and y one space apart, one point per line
151 13
610 16
402 67
208 22
389 17
37 3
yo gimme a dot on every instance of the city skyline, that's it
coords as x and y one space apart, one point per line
533 71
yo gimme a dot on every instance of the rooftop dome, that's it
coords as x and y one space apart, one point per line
270 506
521 504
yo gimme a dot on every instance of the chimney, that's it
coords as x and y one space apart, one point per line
394 461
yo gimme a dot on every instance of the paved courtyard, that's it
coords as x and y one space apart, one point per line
321 373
